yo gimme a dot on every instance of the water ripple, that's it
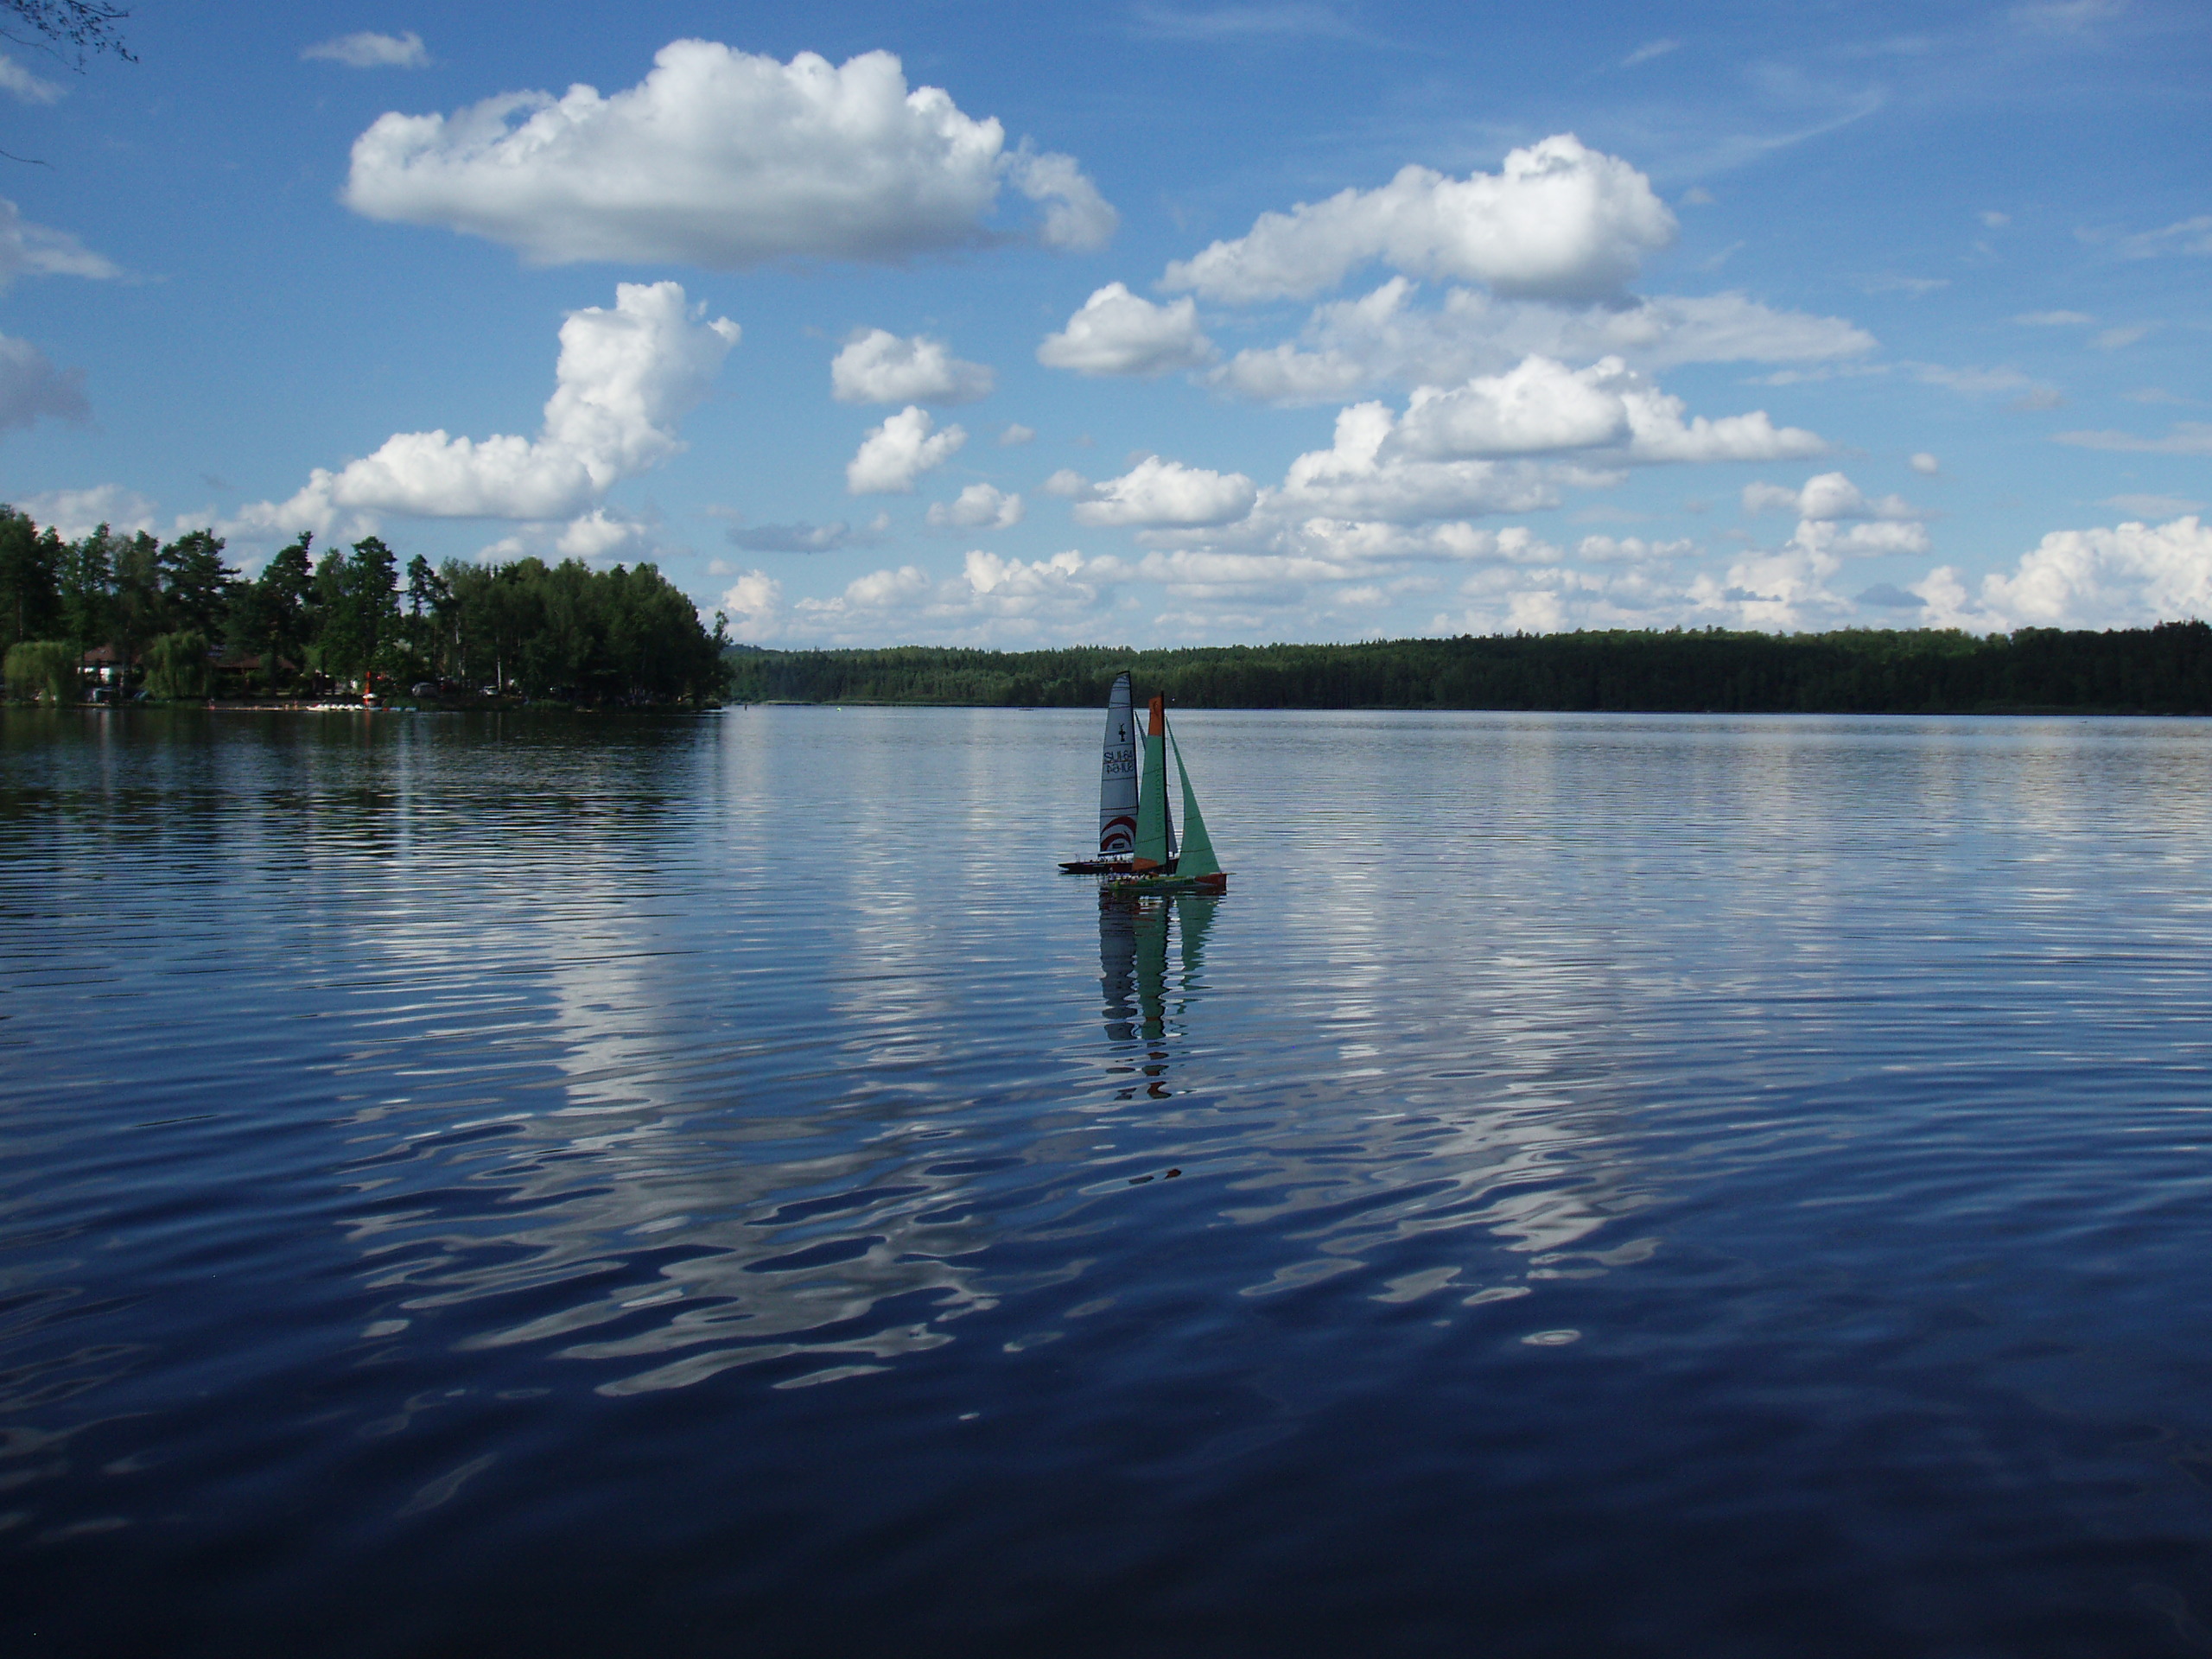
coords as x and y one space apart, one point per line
530 1162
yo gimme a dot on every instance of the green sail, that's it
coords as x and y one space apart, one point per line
1155 839
1198 846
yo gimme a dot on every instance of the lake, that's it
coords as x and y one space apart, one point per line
1595 1185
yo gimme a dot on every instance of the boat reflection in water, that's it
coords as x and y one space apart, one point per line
1133 974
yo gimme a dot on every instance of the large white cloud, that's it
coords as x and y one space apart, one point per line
720 158
625 379
1859 541
1606 411
992 600
31 387
2129 577
878 367
1539 405
1360 477
1159 493
1665 585
979 507
1117 332
1077 217
1558 220
1392 488
893 456
602 535
1339 575
1826 497
1659 431
1383 338
75 513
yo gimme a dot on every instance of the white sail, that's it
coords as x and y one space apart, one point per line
1117 781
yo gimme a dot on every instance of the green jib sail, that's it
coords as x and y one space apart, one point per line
1155 835
1198 846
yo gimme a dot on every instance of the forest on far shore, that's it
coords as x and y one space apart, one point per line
2167 670
125 616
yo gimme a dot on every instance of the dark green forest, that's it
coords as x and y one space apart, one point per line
2165 670
129 616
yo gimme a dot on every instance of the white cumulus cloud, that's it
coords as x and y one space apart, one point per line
720 158
877 367
1867 541
1156 493
754 603
1539 405
75 514
600 534
1558 220
1362 478
369 50
1827 497
992 600
893 456
1383 338
1120 333
1501 443
1542 406
1077 217
1784 590
2130 575
979 506
625 379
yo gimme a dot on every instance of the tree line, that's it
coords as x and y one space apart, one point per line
173 620
2164 669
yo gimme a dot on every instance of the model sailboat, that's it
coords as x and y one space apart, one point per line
1155 865
1137 850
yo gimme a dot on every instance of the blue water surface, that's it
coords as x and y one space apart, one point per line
1595 1185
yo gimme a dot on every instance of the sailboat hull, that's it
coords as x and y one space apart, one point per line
1136 886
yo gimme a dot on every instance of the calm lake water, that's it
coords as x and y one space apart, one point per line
1647 1186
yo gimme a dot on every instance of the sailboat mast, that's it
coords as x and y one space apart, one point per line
1156 843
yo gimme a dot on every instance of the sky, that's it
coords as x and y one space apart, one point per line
1144 323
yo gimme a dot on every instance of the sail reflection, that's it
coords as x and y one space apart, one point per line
1133 975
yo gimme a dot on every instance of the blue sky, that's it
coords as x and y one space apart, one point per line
1145 323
